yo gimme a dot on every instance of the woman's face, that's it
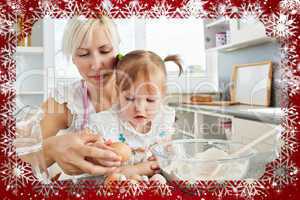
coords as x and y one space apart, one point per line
95 57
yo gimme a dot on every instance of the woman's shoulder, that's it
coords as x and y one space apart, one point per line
69 94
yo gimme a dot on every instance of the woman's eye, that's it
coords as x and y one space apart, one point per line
106 51
151 100
129 98
83 55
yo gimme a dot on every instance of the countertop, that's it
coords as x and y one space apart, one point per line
257 113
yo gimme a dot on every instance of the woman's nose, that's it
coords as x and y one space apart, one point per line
97 62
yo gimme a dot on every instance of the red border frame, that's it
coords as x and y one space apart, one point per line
33 10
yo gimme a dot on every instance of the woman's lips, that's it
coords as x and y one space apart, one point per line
97 77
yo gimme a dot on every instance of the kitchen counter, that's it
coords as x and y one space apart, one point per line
257 113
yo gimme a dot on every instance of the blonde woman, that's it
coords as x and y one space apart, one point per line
92 45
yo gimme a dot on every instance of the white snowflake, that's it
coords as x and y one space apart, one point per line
7 139
250 188
161 189
160 9
224 188
132 188
16 174
10 43
280 25
134 8
288 141
292 6
290 116
6 87
6 27
289 54
77 188
6 56
250 13
6 14
290 81
74 9
197 188
106 6
103 191
194 8
47 188
280 173
8 103
224 10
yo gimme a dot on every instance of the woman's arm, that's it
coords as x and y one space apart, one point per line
56 117
71 150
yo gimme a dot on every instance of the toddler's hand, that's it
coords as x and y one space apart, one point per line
148 168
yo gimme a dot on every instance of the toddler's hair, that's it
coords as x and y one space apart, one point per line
143 65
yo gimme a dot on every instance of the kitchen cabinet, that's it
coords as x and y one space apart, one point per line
244 31
246 131
239 34
33 63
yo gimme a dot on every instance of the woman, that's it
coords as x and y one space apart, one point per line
92 45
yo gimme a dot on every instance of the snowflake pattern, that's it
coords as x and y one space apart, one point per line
250 13
16 174
77 188
280 25
132 188
6 143
280 173
250 188
292 6
161 10
160 189
47 188
193 8
224 188
134 8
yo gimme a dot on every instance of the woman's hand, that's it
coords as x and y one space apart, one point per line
71 150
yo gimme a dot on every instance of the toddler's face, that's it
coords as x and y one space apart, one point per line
140 103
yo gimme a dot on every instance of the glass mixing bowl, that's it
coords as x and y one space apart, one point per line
202 159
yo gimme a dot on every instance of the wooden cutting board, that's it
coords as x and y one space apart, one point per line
213 103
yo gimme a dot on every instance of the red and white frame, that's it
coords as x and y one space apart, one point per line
282 21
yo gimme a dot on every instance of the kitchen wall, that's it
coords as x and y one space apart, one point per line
268 51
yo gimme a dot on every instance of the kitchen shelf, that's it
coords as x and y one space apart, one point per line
30 50
218 22
241 45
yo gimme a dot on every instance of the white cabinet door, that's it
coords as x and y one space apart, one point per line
245 131
242 31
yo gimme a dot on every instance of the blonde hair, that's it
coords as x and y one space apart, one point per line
143 64
78 28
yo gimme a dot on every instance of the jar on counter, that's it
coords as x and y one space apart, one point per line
220 39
